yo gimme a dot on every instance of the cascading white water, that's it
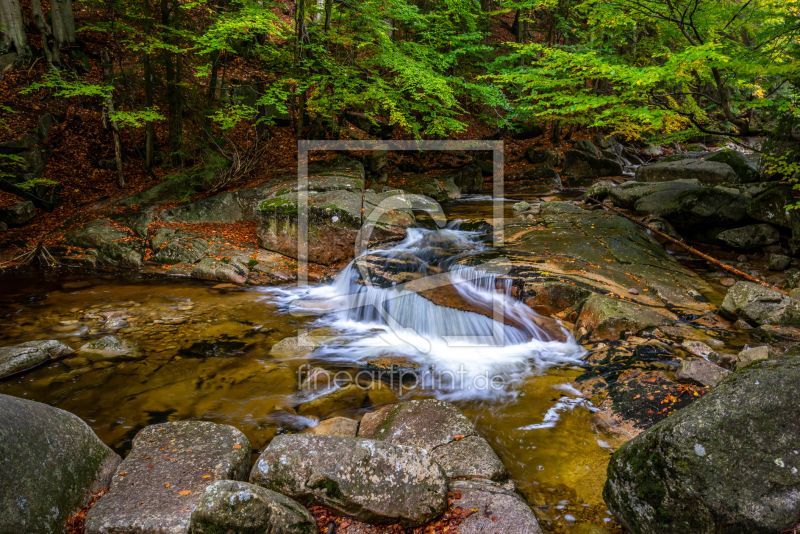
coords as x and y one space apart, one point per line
462 353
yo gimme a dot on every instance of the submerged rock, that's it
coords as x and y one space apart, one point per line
50 464
726 463
18 358
497 509
371 481
108 348
165 475
237 507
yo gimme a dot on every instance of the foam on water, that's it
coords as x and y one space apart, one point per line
461 354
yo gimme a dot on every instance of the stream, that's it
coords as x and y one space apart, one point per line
205 352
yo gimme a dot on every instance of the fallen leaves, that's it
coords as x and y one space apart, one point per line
184 492
206 476
237 446
166 485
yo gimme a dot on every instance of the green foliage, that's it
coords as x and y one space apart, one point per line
136 119
69 86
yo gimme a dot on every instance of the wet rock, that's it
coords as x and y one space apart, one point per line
626 195
551 298
744 170
748 356
175 246
18 214
770 333
469 179
335 426
741 324
707 172
727 282
686 475
18 358
700 372
375 482
653 150
599 190
770 206
427 424
217 270
236 507
586 146
581 165
698 348
607 318
318 378
608 143
162 480
51 464
521 206
440 428
439 187
392 366
112 244
749 237
470 457
498 509
540 175
724 360
779 262
544 156
760 305
108 348
295 345
693 208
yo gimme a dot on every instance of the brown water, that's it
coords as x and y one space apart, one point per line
205 354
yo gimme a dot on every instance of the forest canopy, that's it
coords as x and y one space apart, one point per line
645 69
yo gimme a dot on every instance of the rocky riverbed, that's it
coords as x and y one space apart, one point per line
614 340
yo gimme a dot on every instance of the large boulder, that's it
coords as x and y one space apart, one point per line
114 246
18 358
334 222
544 156
693 209
586 146
240 507
626 195
579 164
495 509
469 179
441 429
165 475
18 214
726 463
760 305
371 481
540 175
50 464
608 143
707 172
605 318
749 237
770 206
440 187
745 171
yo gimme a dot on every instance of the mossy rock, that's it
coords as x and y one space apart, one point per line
745 170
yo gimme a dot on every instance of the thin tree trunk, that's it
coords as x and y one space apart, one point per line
63 23
13 28
172 71
49 43
108 75
299 56
150 127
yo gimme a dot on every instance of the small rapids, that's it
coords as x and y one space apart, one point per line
478 344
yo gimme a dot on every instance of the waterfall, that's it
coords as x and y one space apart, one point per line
417 300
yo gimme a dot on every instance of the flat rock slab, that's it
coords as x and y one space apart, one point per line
498 510
700 372
367 480
159 484
18 358
240 507
50 464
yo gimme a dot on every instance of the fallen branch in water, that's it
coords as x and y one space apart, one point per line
689 249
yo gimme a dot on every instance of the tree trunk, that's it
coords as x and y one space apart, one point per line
13 28
49 43
172 68
63 23
149 97
108 75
